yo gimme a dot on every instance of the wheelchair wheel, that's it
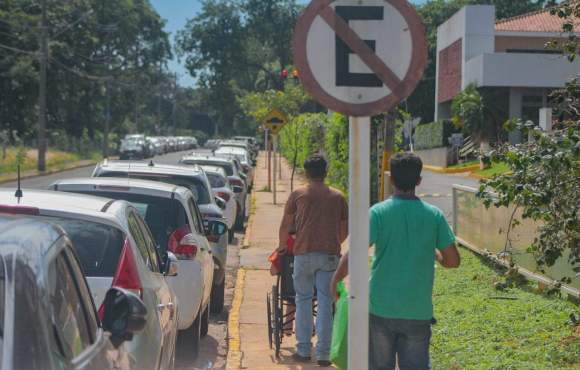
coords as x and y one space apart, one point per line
278 319
270 319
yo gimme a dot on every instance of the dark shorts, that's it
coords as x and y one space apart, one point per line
407 340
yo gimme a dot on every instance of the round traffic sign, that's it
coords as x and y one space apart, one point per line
360 58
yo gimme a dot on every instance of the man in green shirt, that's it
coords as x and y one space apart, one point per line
409 235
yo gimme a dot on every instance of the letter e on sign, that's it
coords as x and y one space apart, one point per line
360 58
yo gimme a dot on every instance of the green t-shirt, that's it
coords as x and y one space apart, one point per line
405 232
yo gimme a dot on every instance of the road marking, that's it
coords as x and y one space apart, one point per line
234 359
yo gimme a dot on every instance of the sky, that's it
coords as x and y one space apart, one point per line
176 13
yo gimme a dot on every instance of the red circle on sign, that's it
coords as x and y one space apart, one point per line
398 93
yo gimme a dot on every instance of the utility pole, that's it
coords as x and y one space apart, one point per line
173 113
42 89
388 150
107 119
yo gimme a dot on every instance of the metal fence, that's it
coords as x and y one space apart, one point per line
486 230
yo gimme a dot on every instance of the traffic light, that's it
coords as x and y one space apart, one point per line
295 74
284 73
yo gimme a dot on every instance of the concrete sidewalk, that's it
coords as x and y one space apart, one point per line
251 344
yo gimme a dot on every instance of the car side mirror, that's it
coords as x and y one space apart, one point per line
124 315
237 189
172 267
221 203
216 228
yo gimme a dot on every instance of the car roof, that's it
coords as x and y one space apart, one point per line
27 237
67 205
231 149
146 167
114 184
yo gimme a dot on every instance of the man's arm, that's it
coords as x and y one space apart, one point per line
284 232
339 275
448 257
343 231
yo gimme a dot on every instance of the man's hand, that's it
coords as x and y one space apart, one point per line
333 290
282 250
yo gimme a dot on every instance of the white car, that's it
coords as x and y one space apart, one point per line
243 156
221 187
177 227
115 248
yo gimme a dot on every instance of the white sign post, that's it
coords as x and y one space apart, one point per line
360 58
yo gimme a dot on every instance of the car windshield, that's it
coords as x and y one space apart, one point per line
162 215
216 180
200 193
98 246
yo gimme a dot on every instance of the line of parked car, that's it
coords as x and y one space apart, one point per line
141 147
104 272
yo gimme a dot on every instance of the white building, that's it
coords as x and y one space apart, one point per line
508 56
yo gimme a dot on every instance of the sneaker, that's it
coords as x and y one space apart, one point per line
324 363
303 359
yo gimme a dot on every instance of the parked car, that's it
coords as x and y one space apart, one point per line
234 177
115 248
196 181
212 144
177 226
242 155
245 173
133 149
47 315
221 186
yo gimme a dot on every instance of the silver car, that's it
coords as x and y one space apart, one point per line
234 176
116 249
221 187
196 181
175 221
47 315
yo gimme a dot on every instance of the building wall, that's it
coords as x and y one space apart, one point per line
450 72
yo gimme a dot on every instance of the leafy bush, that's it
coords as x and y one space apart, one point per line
432 135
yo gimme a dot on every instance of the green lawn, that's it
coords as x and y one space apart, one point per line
479 330
495 169
465 164
55 160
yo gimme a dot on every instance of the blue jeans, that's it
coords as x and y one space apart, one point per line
407 340
314 270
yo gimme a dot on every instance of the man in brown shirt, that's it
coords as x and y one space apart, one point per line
319 216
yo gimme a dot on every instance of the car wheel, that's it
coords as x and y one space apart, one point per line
239 226
191 336
217 297
205 321
231 236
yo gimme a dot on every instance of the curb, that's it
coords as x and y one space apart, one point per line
79 165
234 359
248 234
447 170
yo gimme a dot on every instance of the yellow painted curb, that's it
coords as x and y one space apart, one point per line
247 236
447 170
234 359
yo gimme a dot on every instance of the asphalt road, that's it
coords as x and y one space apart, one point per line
213 350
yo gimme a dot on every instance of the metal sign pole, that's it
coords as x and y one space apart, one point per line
269 163
275 140
358 264
266 145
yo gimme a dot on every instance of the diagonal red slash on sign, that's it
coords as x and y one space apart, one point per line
359 47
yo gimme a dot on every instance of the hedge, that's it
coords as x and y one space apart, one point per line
432 135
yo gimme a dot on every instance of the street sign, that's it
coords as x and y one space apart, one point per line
357 57
360 58
275 121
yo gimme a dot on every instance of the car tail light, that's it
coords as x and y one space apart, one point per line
20 210
237 182
182 245
127 275
225 196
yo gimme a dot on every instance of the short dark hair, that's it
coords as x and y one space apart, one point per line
406 170
315 167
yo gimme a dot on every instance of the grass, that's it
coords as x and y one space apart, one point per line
495 169
465 164
55 160
482 328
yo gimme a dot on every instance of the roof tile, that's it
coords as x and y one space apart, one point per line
538 21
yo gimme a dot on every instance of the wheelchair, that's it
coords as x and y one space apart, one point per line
280 304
